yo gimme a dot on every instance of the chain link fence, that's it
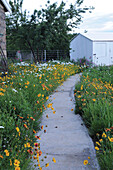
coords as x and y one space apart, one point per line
41 55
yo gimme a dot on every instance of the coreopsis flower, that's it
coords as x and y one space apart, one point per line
17 129
54 160
96 148
85 162
42 127
17 168
36 144
46 165
16 163
1 156
39 95
7 152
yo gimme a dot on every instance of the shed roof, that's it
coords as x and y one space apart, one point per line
6 5
105 36
81 35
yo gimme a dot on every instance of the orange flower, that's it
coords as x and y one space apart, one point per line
94 100
71 109
1 156
37 137
39 95
34 131
42 127
32 118
25 126
14 108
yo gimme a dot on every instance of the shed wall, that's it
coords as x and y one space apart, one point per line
81 47
103 52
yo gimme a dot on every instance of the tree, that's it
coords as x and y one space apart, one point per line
47 28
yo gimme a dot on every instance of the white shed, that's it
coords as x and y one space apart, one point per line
80 47
98 48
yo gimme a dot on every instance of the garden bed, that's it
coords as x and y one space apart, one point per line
24 91
94 102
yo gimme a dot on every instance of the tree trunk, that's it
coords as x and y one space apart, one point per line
38 57
35 60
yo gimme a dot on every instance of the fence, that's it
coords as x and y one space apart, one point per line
41 55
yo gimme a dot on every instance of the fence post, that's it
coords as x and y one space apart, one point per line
44 55
58 54
31 58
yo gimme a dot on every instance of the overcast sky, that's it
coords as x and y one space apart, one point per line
100 20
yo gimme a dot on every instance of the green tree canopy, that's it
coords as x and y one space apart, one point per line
47 28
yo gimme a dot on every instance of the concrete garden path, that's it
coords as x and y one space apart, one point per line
66 138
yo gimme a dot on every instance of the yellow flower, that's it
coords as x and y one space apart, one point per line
94 100
104 135
81 87
1 94
26 87
96 148
17 129
10 162
17 168
16 163
85 162
98 143
54 160
47 165
47 98
42 95
28 145
100 140
25 145
7 152
111 139
79 96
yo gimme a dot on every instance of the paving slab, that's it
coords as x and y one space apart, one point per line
66 138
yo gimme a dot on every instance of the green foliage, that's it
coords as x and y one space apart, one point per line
94 102
23 95
47 28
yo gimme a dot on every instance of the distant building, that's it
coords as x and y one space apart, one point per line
98 48
81 47
4 7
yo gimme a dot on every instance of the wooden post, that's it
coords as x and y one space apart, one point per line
45 55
